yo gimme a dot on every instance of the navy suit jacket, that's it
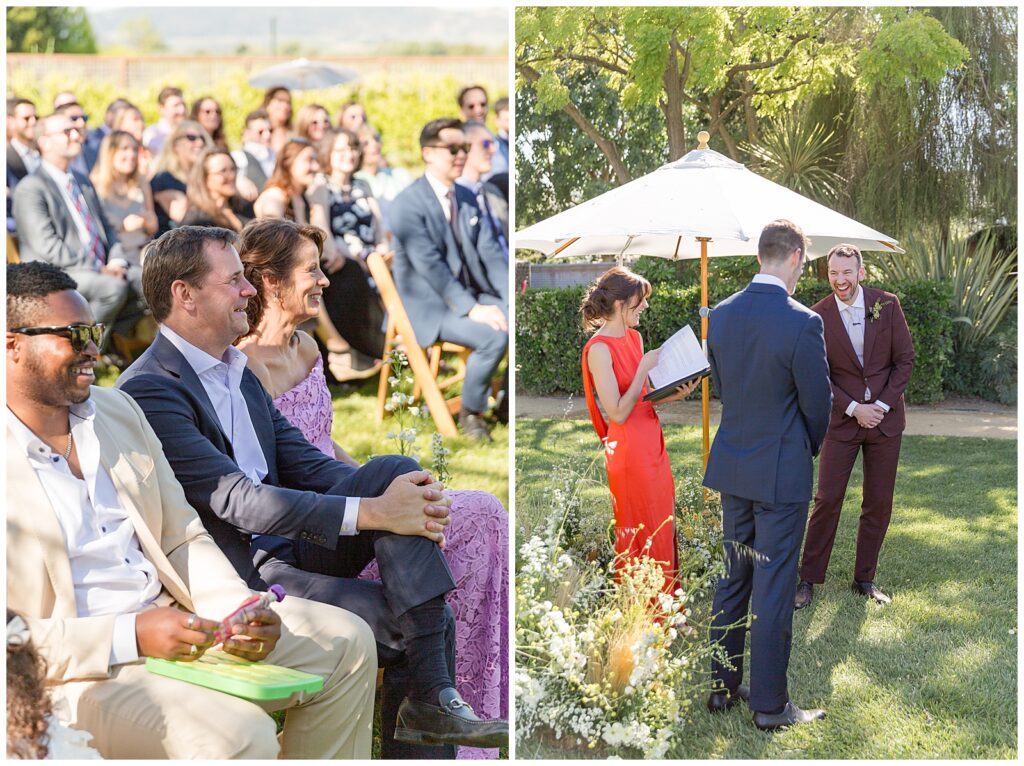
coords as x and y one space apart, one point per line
428 268
767 355
289 503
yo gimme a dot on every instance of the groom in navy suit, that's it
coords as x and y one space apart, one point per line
449 269
767 355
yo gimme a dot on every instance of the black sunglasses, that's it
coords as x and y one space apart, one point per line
192 137
454 149
80 334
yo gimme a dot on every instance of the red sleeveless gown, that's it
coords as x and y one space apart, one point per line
639 474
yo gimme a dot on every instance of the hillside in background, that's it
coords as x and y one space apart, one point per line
301 31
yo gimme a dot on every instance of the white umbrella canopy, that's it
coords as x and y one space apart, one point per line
303 74
703 194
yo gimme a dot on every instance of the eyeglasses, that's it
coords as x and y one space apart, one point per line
67 132
225 172
487 143
78 118
454 148
192 137
80 334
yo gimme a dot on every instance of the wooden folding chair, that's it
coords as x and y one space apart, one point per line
12 250
425 364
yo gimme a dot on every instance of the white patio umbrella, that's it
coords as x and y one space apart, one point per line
303 74
676 211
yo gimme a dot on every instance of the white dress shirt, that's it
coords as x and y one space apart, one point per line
109 571
222 382
854 319
263 154
769 279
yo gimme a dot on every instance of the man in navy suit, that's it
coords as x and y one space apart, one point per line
284 512
767 355
449 268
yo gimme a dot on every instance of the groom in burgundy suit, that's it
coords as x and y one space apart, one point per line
870 357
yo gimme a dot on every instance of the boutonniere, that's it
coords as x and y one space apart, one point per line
876 310
474 220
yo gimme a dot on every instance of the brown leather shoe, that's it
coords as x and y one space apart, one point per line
870 590
473 425
804 594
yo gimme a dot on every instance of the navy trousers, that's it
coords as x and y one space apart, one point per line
412 570
762 545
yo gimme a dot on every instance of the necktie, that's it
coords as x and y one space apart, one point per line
453 217
94 246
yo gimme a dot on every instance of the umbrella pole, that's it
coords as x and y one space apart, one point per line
705 388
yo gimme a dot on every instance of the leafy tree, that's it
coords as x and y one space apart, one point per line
141 35
729 67
32 29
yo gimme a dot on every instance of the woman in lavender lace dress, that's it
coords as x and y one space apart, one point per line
287 361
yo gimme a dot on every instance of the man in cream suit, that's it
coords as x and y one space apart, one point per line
108 564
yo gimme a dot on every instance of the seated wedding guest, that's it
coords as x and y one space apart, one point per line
213 198
61 221
351 116
207 112
386 181
128 117
350 300
63 98
312 122
172 112
256 160
126 197
488 196
76 113
277 102
34 728
113 565
501 120
313 522
472 102
449 269
170 180
297 192
281 259
615 370
94 137
22 155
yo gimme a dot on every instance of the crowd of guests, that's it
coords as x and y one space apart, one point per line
211 472
89 199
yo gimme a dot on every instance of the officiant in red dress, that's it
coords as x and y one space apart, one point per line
615 370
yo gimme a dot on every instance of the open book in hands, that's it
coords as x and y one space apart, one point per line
681 361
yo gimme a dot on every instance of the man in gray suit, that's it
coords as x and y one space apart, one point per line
60 220
767 355
449 269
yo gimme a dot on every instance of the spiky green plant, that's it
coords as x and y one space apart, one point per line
983 276
798 155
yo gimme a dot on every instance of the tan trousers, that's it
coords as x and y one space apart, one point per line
137 714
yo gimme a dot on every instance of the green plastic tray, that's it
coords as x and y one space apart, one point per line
232 675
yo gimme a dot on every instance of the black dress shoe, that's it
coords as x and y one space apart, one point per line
452 722
473 425
870 590
790 716
722 700
804 594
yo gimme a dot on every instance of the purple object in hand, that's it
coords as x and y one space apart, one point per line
238 617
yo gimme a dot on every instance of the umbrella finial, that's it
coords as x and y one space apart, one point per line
702 139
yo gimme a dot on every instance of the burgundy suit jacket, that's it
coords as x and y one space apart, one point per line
888 362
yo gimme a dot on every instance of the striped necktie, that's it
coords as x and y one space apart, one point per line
95 246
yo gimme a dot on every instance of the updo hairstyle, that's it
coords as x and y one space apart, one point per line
616 284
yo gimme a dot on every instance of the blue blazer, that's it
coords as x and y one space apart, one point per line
430 275
767 355
289 503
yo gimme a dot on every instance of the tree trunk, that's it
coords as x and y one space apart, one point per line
718 125
672 105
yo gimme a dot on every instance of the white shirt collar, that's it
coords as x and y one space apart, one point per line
769 279
473 186
58 175
858 302
34 446
199 360
24 149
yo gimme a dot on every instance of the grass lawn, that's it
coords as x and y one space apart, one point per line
933 675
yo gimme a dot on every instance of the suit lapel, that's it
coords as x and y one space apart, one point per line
870 325
125 475
253 394
26 496
440 225
836 331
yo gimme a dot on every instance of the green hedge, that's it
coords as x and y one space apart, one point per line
549 340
